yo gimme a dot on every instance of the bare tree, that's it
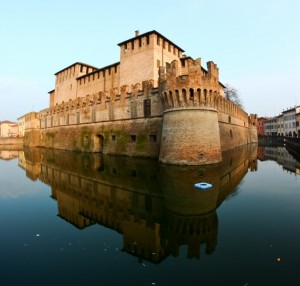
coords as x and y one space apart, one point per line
232 94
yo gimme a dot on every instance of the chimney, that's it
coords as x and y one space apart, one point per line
137 32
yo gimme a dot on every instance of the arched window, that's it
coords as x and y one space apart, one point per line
184 96
191 94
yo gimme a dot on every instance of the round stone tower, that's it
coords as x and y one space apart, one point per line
190 131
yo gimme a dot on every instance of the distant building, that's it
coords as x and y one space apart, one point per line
285 124
21 126
271 126
261 126
298 123
280 125
289 121
8 129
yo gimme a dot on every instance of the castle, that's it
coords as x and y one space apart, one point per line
155 102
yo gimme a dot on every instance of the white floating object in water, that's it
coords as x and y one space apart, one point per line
203 186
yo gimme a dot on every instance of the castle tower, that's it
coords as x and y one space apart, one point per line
142 55
253 128
189 94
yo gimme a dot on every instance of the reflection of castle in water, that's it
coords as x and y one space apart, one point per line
154 206
8 154
280 155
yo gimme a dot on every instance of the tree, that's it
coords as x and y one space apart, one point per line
232 94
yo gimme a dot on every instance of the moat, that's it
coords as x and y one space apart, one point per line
71 218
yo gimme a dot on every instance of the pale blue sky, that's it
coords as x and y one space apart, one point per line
256 44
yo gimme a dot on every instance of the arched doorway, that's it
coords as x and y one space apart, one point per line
98 143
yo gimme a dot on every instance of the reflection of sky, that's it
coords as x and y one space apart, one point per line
13 181
272 179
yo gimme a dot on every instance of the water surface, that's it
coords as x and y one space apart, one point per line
68 218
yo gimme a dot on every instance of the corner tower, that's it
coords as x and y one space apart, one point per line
189 95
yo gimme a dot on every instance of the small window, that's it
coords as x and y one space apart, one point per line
229 119
113 138
133 138
158 40
147 107
158 63
191 94
152 138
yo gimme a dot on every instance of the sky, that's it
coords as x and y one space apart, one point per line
256 44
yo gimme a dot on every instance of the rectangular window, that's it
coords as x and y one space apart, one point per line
133 138
158 40
148 40
147 107
77 117
113 138
94 115
152 138
133 109
158 63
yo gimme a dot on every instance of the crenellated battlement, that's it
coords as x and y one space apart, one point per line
189 85
102 97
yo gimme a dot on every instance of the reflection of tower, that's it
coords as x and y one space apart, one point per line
190 217
32 163
191 231
253 158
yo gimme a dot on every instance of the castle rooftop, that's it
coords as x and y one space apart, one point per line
77 63
147 34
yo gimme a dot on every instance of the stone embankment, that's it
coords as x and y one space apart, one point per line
11 141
